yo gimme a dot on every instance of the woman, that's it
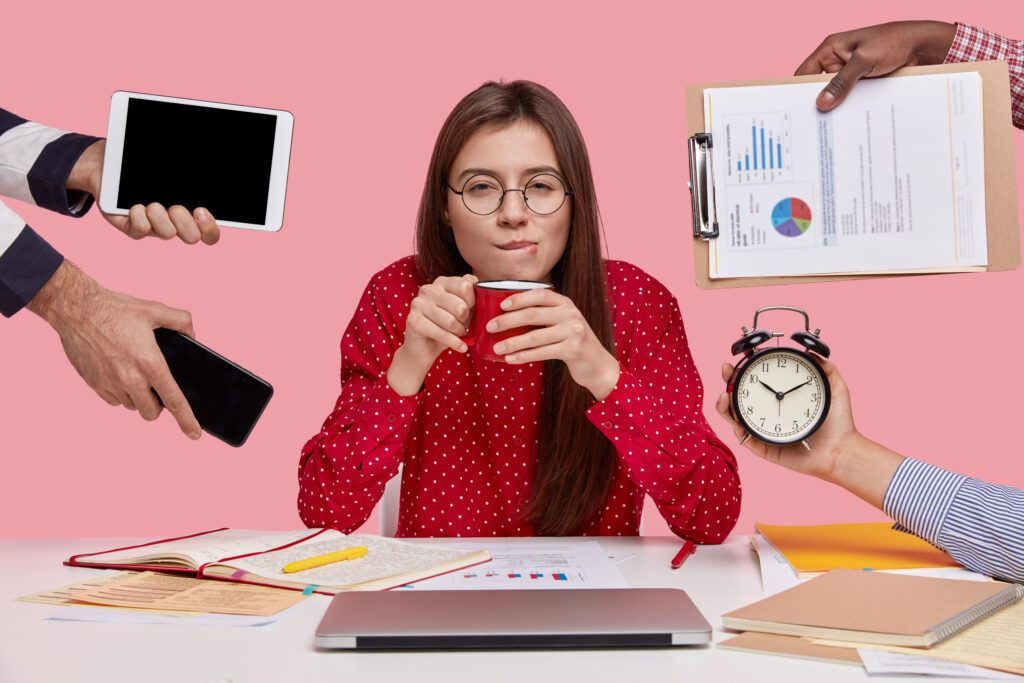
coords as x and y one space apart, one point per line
569 445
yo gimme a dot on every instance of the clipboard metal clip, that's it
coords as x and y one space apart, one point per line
702 187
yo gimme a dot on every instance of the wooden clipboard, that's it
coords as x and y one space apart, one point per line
1001 217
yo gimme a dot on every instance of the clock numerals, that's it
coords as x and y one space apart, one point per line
782 362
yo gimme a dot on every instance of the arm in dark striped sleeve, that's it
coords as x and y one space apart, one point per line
36 161
27 262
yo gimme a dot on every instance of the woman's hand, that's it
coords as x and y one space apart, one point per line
563 334
437 320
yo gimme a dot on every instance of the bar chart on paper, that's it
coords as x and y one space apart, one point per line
758 147
519 566
535 576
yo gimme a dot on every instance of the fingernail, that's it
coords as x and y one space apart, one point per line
509 358
195 435
492 326
499 347
201 214
463 348
506 303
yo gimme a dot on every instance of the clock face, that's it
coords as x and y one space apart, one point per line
780 395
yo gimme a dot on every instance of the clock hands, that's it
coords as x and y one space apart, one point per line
802 384
779 395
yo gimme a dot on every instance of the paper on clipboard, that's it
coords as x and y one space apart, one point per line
991 164
892 180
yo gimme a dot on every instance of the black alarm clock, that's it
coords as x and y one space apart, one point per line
780 395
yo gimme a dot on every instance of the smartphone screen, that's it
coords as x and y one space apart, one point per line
226 399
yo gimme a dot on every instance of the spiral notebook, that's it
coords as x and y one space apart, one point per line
874 607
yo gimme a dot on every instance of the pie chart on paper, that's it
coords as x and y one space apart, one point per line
791 217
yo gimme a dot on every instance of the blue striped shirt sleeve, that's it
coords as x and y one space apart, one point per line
980 525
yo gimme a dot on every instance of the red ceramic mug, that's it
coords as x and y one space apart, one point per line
489 295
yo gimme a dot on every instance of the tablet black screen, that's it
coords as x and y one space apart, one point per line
197 156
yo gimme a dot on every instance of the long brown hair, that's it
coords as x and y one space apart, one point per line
575 463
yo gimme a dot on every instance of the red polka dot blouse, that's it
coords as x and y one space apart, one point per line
468 440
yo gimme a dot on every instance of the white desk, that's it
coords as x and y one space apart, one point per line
32 648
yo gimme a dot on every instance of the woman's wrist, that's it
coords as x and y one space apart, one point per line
606 378
407 371
864 468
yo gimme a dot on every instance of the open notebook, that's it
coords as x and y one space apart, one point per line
259 556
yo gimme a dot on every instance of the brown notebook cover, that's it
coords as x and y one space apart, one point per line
874 607
790 646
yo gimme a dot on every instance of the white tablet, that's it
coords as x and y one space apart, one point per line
230 159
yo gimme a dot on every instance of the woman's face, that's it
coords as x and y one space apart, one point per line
513 243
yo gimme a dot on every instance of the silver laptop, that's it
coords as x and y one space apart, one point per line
567 618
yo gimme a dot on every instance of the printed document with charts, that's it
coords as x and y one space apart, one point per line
891 181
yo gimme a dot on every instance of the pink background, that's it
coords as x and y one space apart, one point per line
933 362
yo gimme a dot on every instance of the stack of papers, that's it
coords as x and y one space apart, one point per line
994 643
809 550
148 597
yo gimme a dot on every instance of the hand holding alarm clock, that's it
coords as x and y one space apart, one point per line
839 454
779 395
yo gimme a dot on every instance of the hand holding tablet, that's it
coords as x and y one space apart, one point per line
143 221
160 151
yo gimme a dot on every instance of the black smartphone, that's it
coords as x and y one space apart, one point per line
226 399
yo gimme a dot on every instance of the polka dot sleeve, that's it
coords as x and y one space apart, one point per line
654 417
343 468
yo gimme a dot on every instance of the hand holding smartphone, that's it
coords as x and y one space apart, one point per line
226 399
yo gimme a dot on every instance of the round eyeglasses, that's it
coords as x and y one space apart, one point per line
483 194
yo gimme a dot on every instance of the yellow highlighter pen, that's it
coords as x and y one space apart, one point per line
321 560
